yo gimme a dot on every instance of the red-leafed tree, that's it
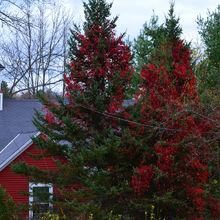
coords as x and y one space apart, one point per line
176 143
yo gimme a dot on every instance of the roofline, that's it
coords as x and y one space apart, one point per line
18 152
9 143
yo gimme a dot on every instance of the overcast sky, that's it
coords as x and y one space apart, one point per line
134 13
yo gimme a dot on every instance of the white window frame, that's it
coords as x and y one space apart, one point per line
31 199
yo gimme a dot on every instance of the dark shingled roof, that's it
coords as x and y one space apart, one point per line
17 115
16 118
16 127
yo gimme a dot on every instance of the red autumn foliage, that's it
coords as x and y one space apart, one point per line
142 181
102 58
177 160
168 98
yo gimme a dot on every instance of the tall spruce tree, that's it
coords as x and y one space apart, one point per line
176 144
83 133
151 36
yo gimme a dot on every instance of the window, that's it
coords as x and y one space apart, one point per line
39 200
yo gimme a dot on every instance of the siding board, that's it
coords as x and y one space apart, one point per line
14 184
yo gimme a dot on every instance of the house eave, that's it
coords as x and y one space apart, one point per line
19 151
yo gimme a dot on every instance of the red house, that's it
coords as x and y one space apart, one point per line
16 130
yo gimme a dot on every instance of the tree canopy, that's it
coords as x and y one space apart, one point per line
208 73
117 159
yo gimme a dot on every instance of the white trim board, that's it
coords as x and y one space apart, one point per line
1 100
18 152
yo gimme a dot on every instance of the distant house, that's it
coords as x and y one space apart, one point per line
16 130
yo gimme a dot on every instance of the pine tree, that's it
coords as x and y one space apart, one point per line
8 208
146 42
174 146
83 129
151 36
208 66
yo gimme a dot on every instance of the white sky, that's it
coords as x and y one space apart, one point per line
134 13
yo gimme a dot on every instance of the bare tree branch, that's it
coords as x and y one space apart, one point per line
33 54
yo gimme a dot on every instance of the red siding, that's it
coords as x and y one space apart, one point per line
14 183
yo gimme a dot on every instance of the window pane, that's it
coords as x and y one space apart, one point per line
40 200
41 194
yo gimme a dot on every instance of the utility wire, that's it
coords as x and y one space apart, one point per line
134 122
129 121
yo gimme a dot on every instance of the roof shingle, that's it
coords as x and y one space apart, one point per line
16 118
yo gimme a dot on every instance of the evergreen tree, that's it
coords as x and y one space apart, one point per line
5 89
8 209
146 42
172 30
174 146
208 72
151 37
153 34
93 179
